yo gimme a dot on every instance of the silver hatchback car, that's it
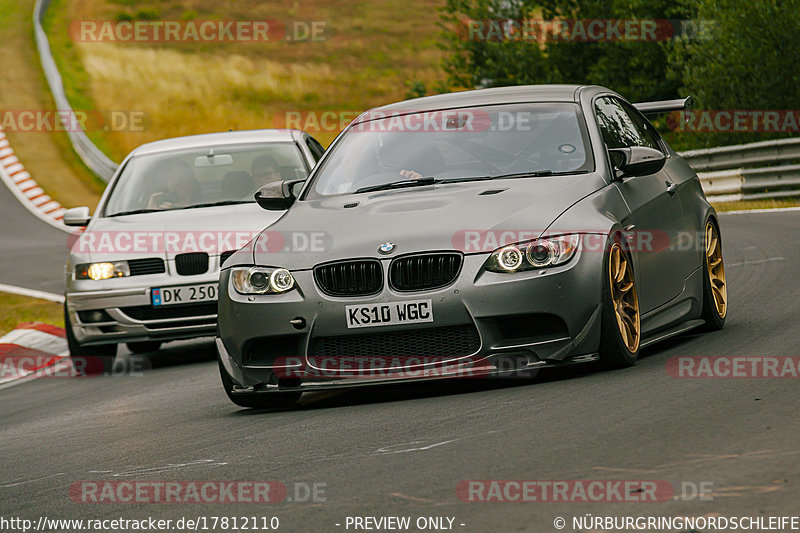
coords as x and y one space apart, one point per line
145 268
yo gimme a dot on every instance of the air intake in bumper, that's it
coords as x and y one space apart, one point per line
442 342
148 265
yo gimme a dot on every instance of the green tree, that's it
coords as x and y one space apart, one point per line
750 60
736 55
637 69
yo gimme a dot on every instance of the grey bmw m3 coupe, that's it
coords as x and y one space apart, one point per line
495 231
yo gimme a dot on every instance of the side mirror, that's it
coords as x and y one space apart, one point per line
77 216
277 195
636 161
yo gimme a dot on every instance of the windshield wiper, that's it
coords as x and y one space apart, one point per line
539 173
430 180
209 204
134 212
214 204
529 174
470 178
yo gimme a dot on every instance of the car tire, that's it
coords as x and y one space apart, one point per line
715 289
256 401
618 350
143 346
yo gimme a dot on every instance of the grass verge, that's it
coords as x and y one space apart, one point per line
774 203
74 78
16 309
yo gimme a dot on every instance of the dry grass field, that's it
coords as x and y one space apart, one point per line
367 53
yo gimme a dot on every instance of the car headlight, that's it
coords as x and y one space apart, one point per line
539 253
259 280
98 271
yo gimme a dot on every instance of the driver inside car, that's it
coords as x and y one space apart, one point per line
265 169
396 158
181 188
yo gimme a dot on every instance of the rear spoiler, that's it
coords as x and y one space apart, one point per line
664 106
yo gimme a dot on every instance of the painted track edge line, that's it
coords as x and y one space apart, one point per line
32 293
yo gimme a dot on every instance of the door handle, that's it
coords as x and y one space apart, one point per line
671 187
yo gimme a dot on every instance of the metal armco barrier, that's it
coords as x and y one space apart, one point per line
91 155
725 176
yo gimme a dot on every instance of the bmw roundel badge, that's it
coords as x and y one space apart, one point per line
387 248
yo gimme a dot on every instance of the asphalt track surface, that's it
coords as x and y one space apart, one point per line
33 252
402 451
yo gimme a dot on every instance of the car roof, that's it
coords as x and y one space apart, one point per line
221 138
495 95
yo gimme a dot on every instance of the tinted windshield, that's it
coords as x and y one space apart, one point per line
183 179
455 144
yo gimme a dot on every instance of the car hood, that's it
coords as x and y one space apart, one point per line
208 229
426 218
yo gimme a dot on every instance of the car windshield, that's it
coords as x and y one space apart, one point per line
391 150
203 176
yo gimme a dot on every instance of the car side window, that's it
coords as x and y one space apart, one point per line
619 128
316 148
644 129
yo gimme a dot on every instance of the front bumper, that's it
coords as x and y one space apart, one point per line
557 311
130 317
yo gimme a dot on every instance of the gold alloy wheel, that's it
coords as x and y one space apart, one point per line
716 270
624 297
